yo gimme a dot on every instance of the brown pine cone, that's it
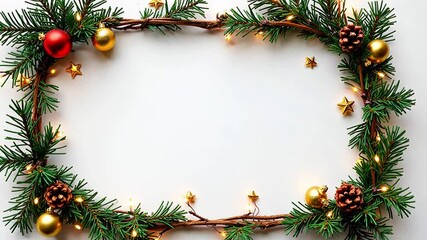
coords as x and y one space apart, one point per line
58 195
349 198
351 38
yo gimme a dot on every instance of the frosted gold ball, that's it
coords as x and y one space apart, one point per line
316 196
49 224
379 50
104 39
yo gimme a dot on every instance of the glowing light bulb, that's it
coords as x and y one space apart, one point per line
78 226
355 89
330 214
377 158
58 136
290 18
227 37
52 71
378 138
384 188
36 201
359 161
134 234
79 199
223 234
381 75
78 16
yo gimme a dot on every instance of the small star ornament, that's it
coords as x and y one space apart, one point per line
74 69
156 4
310 62
253 196
191 198
346 106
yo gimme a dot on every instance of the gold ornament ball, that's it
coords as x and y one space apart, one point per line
316 196
49 224
104 39
379 51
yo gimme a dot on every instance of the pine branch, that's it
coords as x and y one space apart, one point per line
379 19
392 98
302 217
239 232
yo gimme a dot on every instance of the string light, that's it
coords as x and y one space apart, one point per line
377 158
22 81
381 75
223 234
355 89
78 226
58 136
330 214
134 233
260 33
28 169
384 188
227 37
52 71
79 199
36 201
359 161
378 138
78 16
290 18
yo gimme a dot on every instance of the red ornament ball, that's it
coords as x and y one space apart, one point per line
57 43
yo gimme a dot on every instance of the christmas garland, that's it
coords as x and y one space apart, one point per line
51 196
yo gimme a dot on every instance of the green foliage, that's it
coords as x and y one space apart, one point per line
303 218
239 232
378 171
180 9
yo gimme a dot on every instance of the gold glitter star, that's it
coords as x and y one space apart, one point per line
74 69
191 198
253 196
346 106
310 62
156 4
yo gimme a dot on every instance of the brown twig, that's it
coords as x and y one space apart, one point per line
41 76
262 222
139 24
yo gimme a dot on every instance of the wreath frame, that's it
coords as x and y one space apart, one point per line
381 147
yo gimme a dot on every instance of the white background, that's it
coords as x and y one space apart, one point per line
161 115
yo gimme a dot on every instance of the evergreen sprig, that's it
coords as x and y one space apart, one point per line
180 9
381 148
239 232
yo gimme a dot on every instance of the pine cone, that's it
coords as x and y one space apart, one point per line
349 198
351 38
58 195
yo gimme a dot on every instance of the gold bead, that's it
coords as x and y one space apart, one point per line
104 39
316 196
379 51
49 224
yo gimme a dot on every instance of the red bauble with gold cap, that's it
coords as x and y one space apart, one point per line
57 43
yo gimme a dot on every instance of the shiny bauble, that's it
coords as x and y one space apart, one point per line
316 197
104 39
379 50
49 224
57 43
